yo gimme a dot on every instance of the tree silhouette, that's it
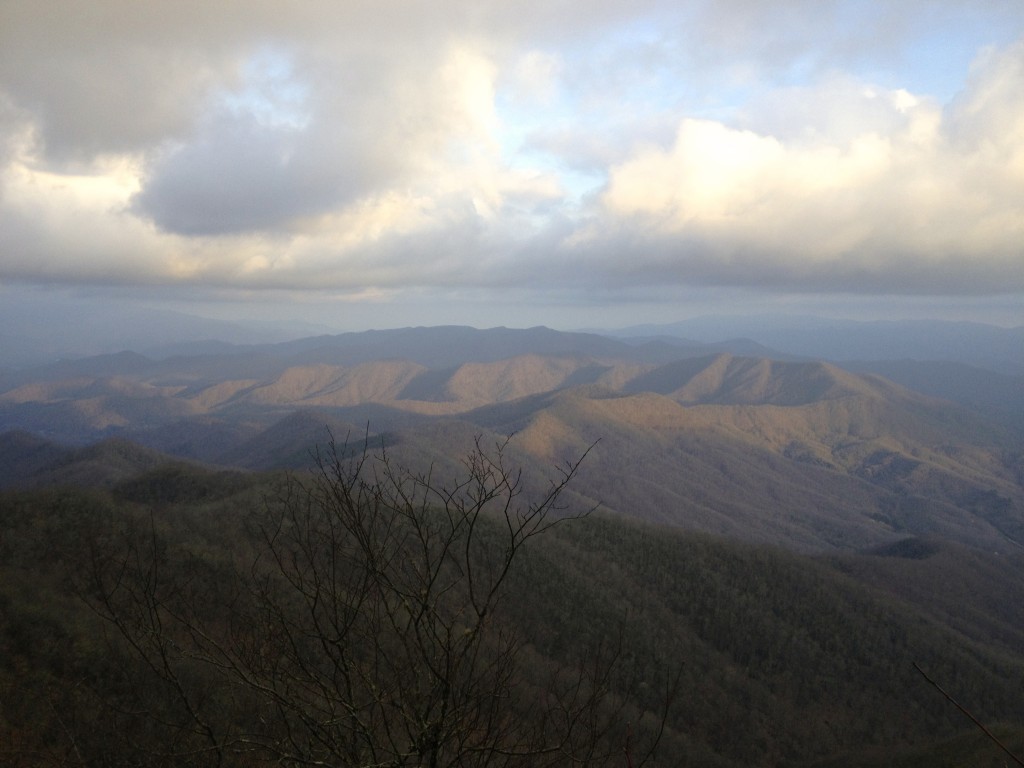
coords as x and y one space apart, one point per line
365 630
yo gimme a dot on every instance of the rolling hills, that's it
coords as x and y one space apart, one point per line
795 452
791 534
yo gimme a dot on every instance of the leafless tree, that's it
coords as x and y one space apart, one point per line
368 630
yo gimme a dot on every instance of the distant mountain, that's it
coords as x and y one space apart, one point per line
990 391
449 346
128 392
426 370
24 456
836 472
291 442
209 439
795 452
684 347
31 462
36 328
729 380
977 344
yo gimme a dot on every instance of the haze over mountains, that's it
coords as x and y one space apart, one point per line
976 344
728 437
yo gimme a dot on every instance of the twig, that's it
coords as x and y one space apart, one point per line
972 718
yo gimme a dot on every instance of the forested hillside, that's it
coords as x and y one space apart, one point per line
773 657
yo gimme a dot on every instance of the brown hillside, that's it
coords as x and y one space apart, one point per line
801 453
476 384
296 384
379 382
846 472
336 385
729 380
222 393
46 391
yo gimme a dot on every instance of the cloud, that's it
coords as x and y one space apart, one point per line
237 177
346 133
91 92
65 228
988 115
898 196
563 145
337 188
116 76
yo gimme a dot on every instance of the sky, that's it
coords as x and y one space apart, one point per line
574 164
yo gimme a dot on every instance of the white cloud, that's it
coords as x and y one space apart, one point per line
377 146
534 79
68 228
899 195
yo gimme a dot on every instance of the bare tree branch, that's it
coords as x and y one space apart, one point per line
970 717
367 630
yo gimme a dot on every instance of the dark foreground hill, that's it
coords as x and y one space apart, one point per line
783 659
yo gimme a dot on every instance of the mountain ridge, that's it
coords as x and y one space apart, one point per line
714 441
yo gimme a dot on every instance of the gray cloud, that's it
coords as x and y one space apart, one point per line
385 146
239 177
115 75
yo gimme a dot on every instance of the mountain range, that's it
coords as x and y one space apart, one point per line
769 448
793 534
976 344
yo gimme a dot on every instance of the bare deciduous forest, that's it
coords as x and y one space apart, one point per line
363 614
